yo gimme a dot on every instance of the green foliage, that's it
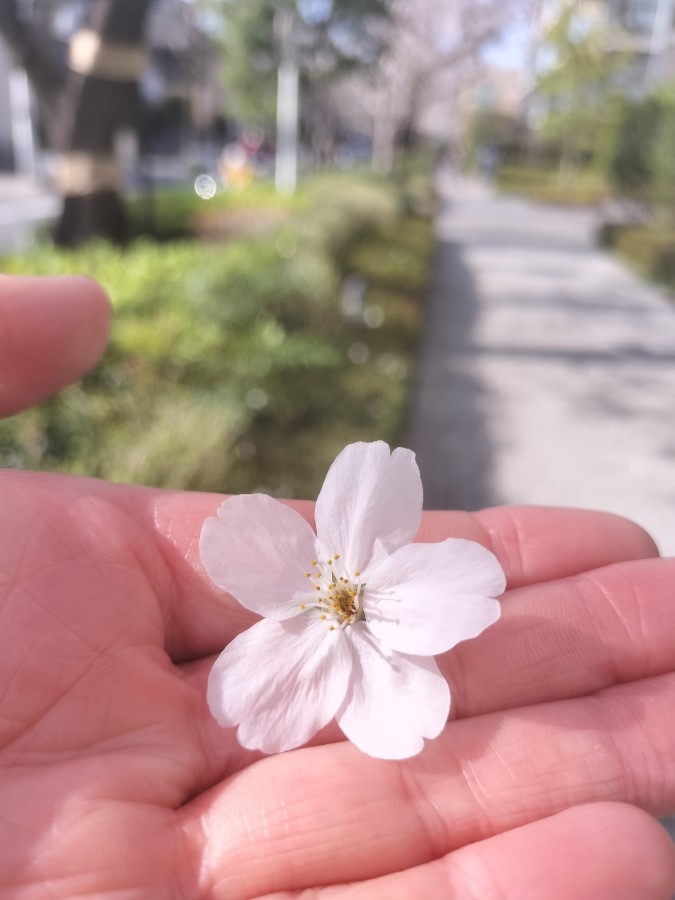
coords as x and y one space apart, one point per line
414 175
165 214
327 39
342 208
631 164
249 59
663 158
585 103
232 367
491 128
643 165
171 214
650 250
586 188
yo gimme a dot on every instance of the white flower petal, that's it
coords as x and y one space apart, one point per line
280 682
426 598
370 504
393 701
259 551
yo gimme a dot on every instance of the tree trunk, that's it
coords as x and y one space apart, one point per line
384 136
34 51
100 98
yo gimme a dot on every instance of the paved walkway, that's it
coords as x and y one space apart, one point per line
547 372
24 204
548 369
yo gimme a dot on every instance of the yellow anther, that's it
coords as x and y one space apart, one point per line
331 628
357 574
323 618
337 556
316 587
313 562
308 574
302 606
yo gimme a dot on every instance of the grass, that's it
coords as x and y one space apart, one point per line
585 188
650 250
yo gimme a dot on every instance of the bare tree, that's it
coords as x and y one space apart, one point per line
35 51
433 49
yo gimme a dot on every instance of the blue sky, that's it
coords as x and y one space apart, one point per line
510 51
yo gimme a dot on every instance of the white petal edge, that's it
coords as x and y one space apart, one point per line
259 551
394 701
426 598
280 682
370 504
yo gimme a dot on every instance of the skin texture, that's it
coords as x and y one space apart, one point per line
115 782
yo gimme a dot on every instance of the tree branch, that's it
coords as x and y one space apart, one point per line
35 51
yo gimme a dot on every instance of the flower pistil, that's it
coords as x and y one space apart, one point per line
339 596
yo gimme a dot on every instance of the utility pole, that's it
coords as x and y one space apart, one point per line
23 140
286 168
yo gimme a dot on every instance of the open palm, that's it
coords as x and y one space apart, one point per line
115 782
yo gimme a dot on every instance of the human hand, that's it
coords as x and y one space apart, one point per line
116 782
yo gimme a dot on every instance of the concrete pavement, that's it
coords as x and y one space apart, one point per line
547 372
24 204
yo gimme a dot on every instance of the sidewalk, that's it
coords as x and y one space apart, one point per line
24 204
547 373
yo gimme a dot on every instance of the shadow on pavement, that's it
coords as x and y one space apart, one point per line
448 427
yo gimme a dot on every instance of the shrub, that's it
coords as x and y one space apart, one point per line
233 367
586 188
631 165
643 166
651 250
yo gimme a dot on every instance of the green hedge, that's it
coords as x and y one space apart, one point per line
651 250
240 366
170 214
643 164
586 188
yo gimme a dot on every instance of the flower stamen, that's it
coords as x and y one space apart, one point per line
340 596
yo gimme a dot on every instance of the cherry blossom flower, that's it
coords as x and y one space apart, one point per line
352 615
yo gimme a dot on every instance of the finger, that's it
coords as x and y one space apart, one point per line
537 544
568 638
52 330
204 619
556 641
329 814
201 619
599 850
